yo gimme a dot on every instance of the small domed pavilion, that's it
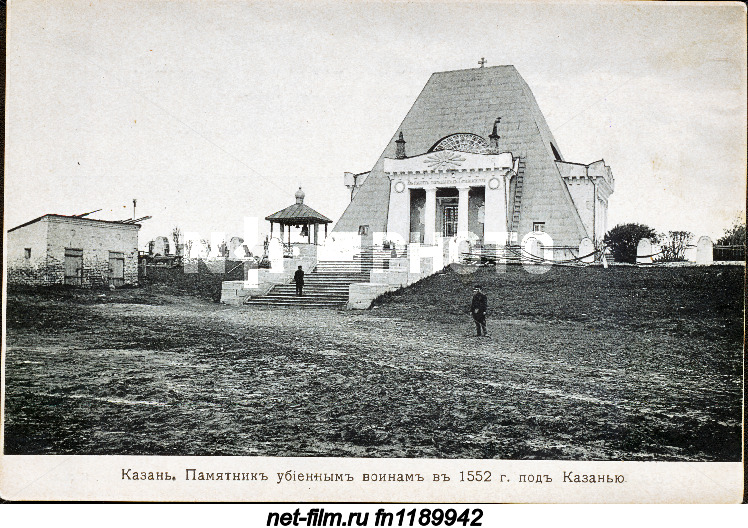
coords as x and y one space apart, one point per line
299 215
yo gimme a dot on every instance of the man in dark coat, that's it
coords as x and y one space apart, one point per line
478 308
298 278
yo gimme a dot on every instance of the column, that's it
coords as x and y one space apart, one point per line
430 216
508 207
462 212
398 217
316 234
496 209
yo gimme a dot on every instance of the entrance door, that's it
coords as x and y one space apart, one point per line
116 268
449 226
74 267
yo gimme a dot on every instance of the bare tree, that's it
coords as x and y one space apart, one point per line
176 235
206 246
223 249
674 245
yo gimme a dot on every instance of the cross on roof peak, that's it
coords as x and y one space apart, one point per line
482 62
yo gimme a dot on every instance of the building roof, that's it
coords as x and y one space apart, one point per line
469 101
78 218
298 213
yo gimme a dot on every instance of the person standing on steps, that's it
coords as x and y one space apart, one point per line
298 278
478 308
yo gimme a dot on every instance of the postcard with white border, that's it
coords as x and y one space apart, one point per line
412 252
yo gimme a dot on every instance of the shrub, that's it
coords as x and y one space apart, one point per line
623 239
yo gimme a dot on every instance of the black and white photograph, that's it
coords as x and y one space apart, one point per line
395 251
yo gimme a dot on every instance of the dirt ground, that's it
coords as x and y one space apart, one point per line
582 364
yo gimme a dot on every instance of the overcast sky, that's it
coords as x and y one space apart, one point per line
207 111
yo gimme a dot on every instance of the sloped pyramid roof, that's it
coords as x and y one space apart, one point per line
298 213
469 101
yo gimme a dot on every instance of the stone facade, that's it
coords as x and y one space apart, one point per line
532 193
590 187
56 249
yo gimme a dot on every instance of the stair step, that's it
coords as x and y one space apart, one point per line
316 291
343 269
309 305
303 300
320 287
337 276
287 293
351 271
309 291
328 284
295 300
336 281
325 270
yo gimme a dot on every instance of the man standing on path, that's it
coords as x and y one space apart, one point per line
478 308
298 278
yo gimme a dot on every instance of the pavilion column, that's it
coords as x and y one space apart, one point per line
271 229
289 235
462 211
430 216
282 228
309 233
316 234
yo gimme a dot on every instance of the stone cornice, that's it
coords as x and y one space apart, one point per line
596 171
448 162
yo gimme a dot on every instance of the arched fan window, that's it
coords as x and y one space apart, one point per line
462 143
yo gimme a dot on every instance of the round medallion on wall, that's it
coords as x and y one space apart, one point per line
493 183
399 187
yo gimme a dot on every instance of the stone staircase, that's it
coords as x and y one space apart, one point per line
322 289
327 286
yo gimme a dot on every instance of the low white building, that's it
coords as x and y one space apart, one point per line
57 249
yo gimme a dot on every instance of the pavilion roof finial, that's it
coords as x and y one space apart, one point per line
300 196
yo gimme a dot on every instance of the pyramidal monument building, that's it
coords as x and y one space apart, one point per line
472 173
474 160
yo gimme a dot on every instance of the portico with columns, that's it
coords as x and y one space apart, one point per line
450 194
